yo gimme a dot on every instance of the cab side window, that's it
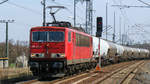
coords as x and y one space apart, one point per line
82 40
69 36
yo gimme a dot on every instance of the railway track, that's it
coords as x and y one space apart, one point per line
120 76
97 78
120 73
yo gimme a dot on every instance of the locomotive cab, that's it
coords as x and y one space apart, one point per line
47 50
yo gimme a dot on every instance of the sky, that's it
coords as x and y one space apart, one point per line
135 22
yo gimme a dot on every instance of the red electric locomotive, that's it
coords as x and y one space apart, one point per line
57 49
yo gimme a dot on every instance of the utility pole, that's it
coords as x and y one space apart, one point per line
86 23
124 36
89 16
74 13
106 17
7 46
120 28
114 28
44 12
127 34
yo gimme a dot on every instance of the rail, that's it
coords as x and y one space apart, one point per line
92 77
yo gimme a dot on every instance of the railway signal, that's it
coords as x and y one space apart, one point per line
98 66
99 26
99 34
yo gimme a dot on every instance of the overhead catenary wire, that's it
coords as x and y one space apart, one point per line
57 3
140 29
25 8
34 11
128 20
124 14
3 1
144 2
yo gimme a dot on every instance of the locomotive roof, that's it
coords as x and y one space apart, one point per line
42 27
74 29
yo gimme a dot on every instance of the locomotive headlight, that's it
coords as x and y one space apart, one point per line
57 55
37 55
33 55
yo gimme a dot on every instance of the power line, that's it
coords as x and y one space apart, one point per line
140 29
23 7
131 6
124 14
69 10
57 3
144 2
126 6
3 1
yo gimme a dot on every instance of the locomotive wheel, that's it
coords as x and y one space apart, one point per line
73 69
84 68
66 70
70 71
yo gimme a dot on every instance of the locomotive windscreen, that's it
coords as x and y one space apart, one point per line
56 36
51 36
39 36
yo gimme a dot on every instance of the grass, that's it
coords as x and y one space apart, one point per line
10 73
